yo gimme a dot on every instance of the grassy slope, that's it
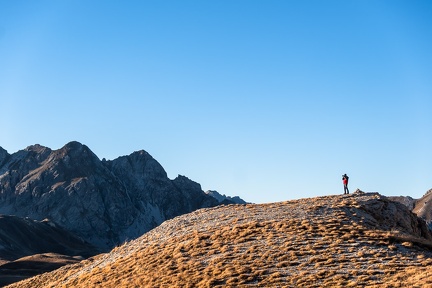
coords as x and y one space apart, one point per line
326 241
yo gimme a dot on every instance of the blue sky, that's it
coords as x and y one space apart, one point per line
268 100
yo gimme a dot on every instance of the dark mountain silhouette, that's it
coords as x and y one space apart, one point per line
222 198
21 240
103 202
23 237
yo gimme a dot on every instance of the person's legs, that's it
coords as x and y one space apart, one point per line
346 191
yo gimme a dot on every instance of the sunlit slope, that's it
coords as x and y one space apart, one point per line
334 241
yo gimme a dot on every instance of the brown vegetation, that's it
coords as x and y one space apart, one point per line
327 241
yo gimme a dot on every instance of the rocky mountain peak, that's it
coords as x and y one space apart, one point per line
74 145
76 150
139 163
74 160
104 202
182 180
3 155
37 148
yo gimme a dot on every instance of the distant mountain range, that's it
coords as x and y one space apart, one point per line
222 198
103 202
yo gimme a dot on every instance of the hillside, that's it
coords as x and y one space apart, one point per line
334 241
23 237
22 241
32 265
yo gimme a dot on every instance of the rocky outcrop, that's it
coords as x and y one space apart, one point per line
423 208
408 201
104 202
387 214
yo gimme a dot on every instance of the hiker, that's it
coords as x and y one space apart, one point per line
345 183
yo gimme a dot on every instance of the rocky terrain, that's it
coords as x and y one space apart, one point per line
357 240
103 202
421 207
63 205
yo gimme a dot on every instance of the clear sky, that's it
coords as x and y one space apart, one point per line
268 100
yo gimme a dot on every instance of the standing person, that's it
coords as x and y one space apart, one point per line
345 183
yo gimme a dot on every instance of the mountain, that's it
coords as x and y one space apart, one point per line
225 199
103 202
354 240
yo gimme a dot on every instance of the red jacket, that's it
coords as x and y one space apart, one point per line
345 181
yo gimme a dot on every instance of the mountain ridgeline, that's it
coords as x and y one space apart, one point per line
103 202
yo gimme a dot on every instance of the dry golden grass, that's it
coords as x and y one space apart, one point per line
325 241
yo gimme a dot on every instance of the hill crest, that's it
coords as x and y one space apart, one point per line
338 241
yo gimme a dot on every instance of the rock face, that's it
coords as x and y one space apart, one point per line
104 202
423 207
405 200
387 214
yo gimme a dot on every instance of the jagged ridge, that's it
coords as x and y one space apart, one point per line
223 198
104 202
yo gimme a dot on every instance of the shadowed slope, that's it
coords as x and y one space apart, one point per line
33 265
20 238
334 241
23 237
